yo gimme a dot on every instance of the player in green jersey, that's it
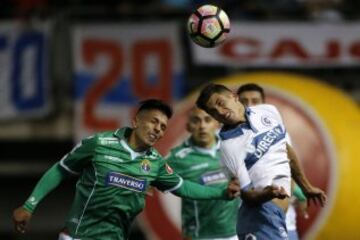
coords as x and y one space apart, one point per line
198 160
115 169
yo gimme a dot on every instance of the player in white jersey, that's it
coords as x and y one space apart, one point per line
252 94
255 151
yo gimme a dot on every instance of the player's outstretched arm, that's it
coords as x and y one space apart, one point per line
196 191
255 197
50 180
312 193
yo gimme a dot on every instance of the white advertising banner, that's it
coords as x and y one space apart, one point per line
24 83
117 65
285 45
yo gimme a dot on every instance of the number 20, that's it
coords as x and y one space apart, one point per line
113 51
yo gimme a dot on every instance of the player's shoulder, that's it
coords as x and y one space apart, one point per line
263 111
263 108
230 144
180 151
104 138
105 134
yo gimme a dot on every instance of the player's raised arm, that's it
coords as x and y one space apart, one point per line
168 181
312 193
199 192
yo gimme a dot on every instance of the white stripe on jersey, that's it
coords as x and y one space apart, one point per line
176 187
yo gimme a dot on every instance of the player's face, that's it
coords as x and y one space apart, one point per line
250 98
225 107
202 127
149 127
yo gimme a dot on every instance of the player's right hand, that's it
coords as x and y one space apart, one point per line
21 217
276 192
233 189
316 195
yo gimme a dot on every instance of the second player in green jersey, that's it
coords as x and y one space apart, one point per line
198 160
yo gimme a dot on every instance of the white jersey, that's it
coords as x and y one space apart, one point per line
255 151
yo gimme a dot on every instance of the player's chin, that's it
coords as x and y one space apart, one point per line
150 142
203 137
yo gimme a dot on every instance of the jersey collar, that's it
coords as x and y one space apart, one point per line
239 130
210 151
122 133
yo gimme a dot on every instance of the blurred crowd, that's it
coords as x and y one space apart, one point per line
259 10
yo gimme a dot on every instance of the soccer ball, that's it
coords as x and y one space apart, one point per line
208 26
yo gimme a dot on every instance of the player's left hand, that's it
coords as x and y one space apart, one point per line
316 195
233 189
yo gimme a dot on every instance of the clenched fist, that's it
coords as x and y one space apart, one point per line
21 218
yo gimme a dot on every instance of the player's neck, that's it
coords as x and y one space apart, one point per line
242 117
240 120
206 145
135 144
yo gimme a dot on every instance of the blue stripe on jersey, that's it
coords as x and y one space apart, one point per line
235 132
262 144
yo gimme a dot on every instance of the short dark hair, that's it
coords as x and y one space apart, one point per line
207 92
151 104
251 87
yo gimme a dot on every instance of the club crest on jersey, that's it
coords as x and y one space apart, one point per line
145 166
124 181
265 120
169 170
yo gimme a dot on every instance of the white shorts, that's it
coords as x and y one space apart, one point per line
64 236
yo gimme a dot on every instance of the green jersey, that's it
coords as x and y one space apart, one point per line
112 185
113 180
205 218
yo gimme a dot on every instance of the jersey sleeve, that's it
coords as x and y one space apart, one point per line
49 181
234 162
167 180
279 118
79 156
299 194
196 191
274 112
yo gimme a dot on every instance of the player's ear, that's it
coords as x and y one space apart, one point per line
134 122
